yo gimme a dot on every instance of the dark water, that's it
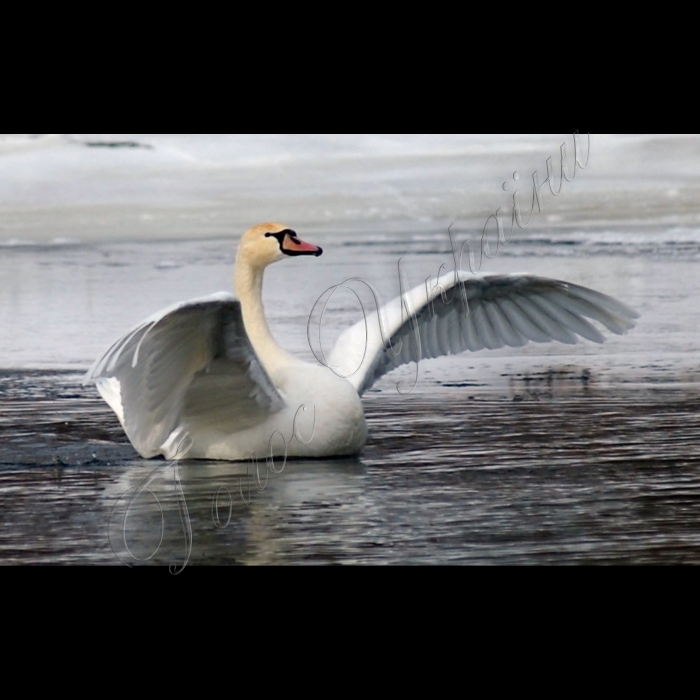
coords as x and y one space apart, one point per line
558 471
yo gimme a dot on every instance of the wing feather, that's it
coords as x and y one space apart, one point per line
522 321
502 326
502 310
187 368
548 325
484 328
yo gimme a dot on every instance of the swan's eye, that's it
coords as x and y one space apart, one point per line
281 234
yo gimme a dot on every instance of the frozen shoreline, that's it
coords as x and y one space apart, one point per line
203 186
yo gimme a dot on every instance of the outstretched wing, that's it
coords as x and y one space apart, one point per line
499 310
189 366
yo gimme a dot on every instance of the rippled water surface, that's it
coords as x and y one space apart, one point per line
584 477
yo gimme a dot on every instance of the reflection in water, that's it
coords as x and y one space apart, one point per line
235 512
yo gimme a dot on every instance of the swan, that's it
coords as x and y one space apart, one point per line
209 369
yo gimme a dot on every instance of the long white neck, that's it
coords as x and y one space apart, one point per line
249 282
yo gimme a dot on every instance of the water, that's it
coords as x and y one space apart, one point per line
579 478
545 454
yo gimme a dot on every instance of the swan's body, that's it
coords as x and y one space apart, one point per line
210 370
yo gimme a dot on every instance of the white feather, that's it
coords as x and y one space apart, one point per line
503 310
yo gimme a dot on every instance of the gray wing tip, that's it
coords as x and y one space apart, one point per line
620 309
625 316
91 376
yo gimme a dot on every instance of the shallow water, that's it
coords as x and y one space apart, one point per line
544 454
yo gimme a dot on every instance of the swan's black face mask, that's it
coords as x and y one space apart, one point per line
291 244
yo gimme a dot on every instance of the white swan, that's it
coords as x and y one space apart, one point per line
209 369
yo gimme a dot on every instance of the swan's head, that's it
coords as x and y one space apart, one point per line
265 244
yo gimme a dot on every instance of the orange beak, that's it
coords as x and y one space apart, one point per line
295 246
